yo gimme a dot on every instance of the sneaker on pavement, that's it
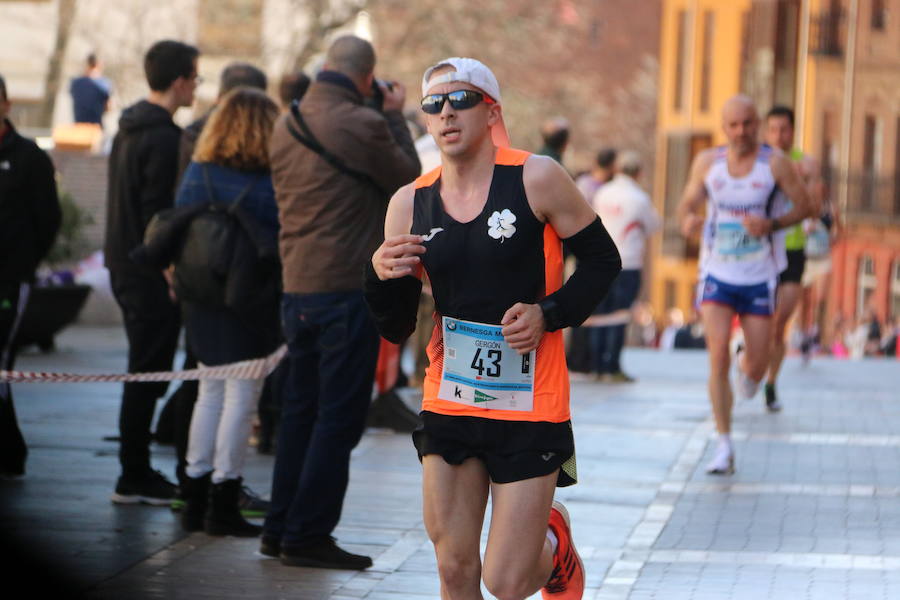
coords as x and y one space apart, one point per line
178 500
270 546
772 404
744 387
153 488
251 504
722 462
620 377
567 578
323 554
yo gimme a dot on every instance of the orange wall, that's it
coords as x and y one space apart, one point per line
724 82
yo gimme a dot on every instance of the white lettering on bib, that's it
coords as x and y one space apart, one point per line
481 370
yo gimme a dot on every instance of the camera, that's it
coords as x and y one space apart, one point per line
376 100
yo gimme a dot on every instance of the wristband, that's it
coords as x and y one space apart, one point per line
393 303
775 224
552 318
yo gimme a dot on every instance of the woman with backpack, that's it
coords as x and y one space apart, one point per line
229 288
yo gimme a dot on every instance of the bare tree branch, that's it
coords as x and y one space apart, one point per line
65 17
324 18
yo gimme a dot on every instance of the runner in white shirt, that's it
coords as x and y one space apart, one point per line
738 269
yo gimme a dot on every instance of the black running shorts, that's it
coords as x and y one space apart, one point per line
511 450
796 262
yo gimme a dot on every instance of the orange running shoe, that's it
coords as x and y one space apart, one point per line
567 579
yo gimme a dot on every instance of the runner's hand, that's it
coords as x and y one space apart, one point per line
757 226
691 224
398 256
523 326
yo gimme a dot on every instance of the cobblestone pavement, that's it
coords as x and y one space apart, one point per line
812 512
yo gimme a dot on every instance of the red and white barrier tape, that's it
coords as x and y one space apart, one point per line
256 368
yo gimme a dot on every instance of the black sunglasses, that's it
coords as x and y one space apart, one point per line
459 100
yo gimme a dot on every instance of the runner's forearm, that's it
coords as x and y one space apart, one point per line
598 265
394 303
792 217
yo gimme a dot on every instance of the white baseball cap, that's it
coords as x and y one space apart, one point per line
475 73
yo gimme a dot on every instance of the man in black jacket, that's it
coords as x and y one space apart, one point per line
29 220
143 167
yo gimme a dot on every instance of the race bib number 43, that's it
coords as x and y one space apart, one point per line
480 369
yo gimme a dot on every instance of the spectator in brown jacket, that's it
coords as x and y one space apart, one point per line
335 164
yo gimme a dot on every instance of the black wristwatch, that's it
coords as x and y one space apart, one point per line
552 318
775 224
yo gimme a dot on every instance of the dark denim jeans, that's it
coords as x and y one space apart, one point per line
607 342
333 348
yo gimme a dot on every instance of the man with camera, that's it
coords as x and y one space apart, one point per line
335 163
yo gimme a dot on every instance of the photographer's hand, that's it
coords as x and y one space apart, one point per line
395 98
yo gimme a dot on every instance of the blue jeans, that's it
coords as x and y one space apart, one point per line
332 351
607 342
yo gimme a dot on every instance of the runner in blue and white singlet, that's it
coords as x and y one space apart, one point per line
736 268
730 253
739 183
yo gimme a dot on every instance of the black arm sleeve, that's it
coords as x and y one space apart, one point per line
394 304
598 265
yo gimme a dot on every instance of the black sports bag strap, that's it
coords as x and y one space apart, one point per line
310 141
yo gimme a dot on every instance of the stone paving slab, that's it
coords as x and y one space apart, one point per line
777 523
700 581
775 461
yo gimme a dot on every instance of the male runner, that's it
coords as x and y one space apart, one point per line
739 183
779 133
486 227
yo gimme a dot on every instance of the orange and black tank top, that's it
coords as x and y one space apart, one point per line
481 268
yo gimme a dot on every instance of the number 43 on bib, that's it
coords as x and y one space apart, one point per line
481 370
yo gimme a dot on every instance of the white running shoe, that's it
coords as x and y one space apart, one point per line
744 387
722 462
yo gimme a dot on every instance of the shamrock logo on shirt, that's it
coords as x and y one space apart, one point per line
500 225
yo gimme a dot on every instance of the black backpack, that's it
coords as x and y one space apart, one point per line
223 257
209 243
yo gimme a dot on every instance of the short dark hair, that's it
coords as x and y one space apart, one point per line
241 74
3 89
556 139
91 60
293 86
166 61
606 158
780 110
